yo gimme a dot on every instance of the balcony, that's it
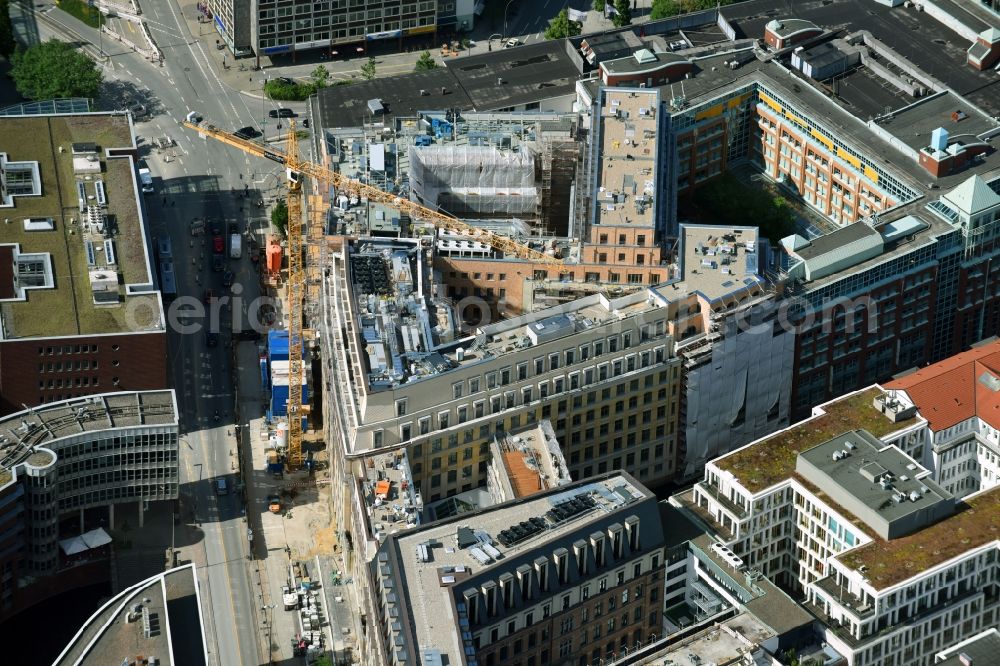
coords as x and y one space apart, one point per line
687 502
735 509
842 595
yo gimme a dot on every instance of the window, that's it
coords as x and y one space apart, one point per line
401 407
456 390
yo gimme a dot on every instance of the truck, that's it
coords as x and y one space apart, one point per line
235 246
146 181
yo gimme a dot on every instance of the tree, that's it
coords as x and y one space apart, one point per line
279 216
561 27
320 77
623 13
663 9
599 6
368 69
425 63
7 42
55 69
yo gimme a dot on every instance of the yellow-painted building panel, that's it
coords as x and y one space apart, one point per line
847 157
770 102
795 118
822 139
871 174
709 113
736 101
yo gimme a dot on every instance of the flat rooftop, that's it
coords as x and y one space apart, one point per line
916 36
403 95
579 315
868 95
976 523
431 601
642 60
882 486
67 307
981 648
762 464
913 124
717 261
22 431
159 617
511 77
723 643
627 168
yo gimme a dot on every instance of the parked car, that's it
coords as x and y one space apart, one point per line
212 339
218 244
233 228
274 504
219 263
227 279
247 132
511 43
282 113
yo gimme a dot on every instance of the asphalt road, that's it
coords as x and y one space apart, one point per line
197 178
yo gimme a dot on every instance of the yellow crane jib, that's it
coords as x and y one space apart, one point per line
508 246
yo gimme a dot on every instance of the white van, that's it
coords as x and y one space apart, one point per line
146 181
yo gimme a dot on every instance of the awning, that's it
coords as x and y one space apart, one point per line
86 541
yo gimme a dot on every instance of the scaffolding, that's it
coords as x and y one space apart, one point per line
478 181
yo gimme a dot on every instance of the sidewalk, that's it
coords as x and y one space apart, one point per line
344 67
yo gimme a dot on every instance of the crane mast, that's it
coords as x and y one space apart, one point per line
296 282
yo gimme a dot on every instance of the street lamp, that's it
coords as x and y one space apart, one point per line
269 607
503 38
263 98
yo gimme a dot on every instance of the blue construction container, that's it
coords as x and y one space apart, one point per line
277 346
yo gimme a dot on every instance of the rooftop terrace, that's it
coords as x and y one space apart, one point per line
628 158
67 307
716 261
532 460
887 563
770 460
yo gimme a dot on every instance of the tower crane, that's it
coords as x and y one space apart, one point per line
295 169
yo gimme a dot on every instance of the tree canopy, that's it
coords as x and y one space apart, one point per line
425 63
368 70
727 201
320 77
666 8
561 27
55 69
279 216
623 13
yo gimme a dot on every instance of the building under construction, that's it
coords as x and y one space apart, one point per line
496 169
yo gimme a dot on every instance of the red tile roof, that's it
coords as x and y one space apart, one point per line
957 388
